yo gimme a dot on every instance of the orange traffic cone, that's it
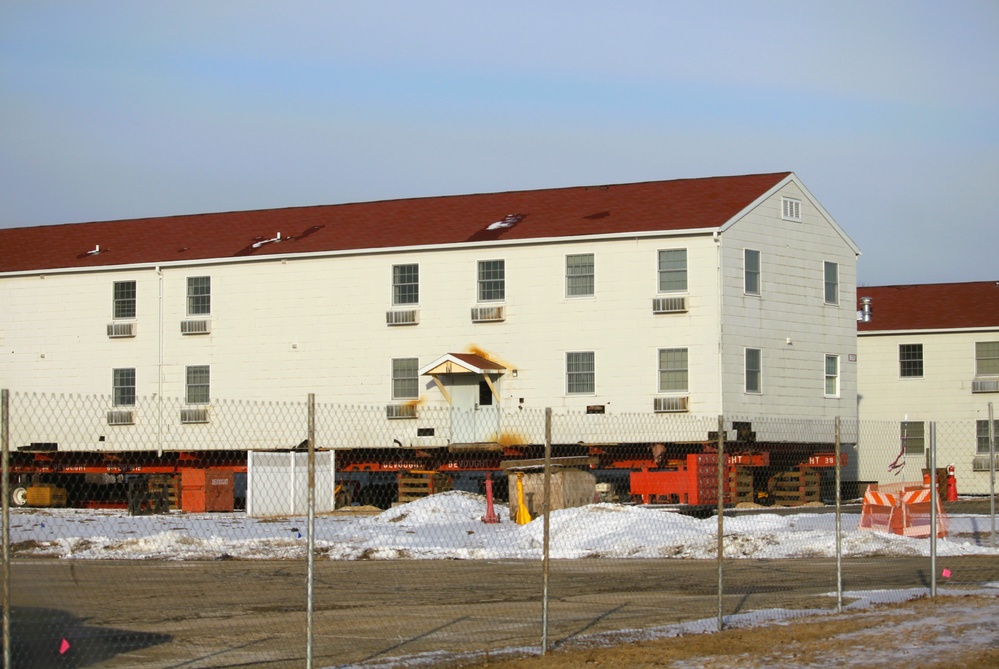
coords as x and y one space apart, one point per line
523 516
951 484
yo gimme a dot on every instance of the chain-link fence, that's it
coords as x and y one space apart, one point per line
163 534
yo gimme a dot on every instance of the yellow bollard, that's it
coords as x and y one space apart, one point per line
523 516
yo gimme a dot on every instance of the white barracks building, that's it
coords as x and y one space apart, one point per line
732 295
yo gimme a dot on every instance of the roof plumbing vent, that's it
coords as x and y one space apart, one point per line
257 245
866 313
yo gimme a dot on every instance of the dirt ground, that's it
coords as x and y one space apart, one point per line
943 633
234 613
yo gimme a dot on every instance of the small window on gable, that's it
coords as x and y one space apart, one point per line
790 209
751 262
831 271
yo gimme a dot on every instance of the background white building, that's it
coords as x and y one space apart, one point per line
931 353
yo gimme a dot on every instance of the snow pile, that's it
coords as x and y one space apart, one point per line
449 526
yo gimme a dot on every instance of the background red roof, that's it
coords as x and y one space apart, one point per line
639 207
932 306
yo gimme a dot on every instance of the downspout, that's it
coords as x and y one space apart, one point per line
159 368
721 328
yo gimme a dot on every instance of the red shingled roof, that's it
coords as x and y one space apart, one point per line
932 306
660 205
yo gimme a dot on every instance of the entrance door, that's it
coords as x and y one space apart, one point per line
475 416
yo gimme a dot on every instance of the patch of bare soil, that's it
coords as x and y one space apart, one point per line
949 632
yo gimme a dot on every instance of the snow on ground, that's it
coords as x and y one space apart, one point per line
449 526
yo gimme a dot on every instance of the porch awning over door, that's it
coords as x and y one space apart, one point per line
463 363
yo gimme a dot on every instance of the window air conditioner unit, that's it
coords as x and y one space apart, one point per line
121 417
671 404
195 327
116 330
396 411
194 415
669 305
980 463
487 314
408 317
985 386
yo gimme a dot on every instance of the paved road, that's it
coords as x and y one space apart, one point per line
252 613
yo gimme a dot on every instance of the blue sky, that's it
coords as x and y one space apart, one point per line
888 111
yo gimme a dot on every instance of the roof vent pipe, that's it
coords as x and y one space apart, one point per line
866 313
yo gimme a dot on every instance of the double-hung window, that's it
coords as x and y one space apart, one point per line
405 379
492 280
579 275
672 270
123 387
580 373
754 370
199 295
982 435
831 272
405 284
910 360
832 376
124 299
913 437
751 272
673 371
987 358
198 384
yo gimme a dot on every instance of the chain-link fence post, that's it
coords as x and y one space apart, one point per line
839 520
992 474
546 537
5 439
311 555
721 521
934 500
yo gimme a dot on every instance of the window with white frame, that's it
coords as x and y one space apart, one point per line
754 370
790 209
123 300
199 295
673 372
405 378
987 358
672 270
492 280
406 284
198 384
910 360
579 275
913 437
832 376
751 272
831 271
123 387
982 435
580 373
